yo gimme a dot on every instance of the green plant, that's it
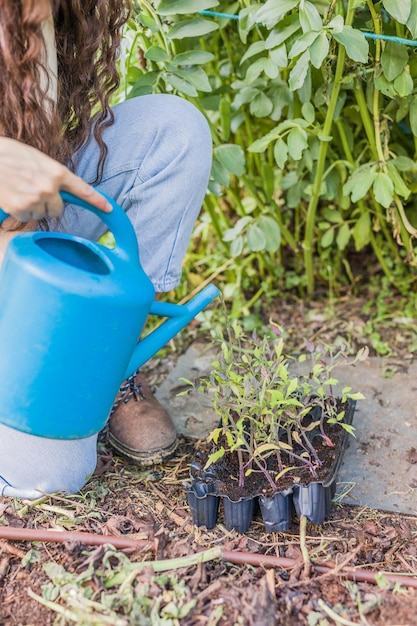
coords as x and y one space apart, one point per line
270 411
314 121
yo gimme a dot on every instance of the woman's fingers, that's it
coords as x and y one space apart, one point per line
30 182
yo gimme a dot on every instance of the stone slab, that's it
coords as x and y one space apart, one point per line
379 469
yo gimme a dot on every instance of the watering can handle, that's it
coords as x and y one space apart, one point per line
116 221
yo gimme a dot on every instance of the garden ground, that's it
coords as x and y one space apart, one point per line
75 583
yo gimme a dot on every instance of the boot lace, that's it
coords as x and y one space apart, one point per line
130 388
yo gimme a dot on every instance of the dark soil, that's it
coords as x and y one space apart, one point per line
150 505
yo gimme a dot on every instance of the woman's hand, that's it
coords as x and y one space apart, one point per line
30 182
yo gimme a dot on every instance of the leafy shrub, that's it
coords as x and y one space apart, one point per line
314 124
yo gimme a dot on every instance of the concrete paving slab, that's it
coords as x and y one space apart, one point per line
379 469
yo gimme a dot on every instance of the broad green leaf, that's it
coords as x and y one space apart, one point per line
178 83
327 238
385 87
412 20
319 50
194 75
394 58
261 144
286 29
359 183
279 56
383 188
220 173
232 157
155 53
343 236
192 28
255 238
362 231
399 9
255 69
302 43
280 153
309 112
336 24
299 72
354 41
399 185
237 229
273 11
193 57
261 105
179 7
413 116
297 142
255 48
404 84
236 247
309 17
271 69
271 231
404 164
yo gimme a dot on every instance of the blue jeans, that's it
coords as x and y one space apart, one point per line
157 169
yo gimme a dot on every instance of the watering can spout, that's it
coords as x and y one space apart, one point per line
179 315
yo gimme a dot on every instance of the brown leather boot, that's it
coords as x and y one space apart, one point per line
139 429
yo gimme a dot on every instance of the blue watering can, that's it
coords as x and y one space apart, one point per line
71 312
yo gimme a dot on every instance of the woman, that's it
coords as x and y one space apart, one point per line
152 154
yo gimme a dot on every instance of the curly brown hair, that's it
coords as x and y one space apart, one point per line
88 34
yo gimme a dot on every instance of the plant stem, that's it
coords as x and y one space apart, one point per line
321 162
303 547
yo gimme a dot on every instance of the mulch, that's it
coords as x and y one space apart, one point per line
97 586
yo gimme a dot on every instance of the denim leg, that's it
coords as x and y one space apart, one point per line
157 169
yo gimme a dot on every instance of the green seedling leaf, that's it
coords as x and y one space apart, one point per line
215 456
196 27
354 41
267 447
383 188
279 56
283 472
394 58
232 157
180 7
399 9
214 435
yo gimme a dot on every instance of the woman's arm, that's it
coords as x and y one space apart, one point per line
30 182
